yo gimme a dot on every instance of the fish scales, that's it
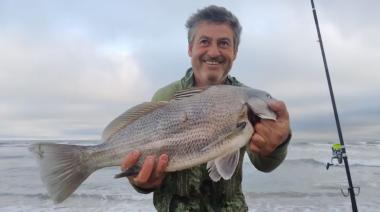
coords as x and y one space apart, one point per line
206 120
209 126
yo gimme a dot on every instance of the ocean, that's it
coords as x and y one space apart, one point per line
301 183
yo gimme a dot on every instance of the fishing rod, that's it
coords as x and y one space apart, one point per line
339 151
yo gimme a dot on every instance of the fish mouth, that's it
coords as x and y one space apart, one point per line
252 117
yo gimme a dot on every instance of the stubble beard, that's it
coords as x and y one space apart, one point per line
213 79
208 76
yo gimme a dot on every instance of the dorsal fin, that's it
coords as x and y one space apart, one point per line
188 92
130 116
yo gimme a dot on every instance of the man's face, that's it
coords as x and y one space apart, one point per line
212 53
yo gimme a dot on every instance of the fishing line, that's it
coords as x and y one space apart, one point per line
339 150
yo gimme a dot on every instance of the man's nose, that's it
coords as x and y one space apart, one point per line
213 50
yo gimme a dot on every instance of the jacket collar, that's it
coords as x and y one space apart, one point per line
188 80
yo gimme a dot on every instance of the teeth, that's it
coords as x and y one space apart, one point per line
212 62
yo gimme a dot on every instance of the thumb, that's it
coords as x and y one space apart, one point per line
279 108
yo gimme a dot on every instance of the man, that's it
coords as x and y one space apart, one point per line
213 38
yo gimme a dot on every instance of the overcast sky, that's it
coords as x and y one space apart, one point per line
67 68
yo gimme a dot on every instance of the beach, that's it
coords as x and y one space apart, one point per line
301 183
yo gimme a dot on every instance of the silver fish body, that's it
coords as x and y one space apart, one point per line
198 126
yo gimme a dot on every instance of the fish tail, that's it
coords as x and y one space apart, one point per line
62 167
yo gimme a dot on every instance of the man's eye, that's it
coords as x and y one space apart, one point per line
224 44
204 42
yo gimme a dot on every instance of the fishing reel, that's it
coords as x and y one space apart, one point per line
337 153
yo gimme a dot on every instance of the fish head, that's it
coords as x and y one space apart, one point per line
257 102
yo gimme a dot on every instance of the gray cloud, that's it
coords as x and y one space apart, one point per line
67 68
53 84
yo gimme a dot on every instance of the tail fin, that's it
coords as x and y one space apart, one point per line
63 168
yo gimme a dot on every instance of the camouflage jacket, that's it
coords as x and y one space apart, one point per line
192 189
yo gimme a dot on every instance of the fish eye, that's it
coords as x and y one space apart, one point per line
269 96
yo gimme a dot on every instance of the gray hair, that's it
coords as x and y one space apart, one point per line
214 14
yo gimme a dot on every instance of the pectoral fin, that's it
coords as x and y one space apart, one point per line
223 167
226 165
213 171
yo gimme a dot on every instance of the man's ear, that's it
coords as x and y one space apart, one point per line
190 49
235 54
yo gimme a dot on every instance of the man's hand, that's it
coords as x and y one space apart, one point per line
270 134
151 174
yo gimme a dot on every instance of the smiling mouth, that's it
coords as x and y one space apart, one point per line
213 60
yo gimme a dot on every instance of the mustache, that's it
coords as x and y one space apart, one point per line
219 59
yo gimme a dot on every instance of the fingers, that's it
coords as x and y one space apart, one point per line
256 143
146 170
260 146
130 160
281 127
265 138
264 127
270 134
152 173
279 108
161 165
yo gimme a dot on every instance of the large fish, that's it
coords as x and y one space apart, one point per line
199 125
